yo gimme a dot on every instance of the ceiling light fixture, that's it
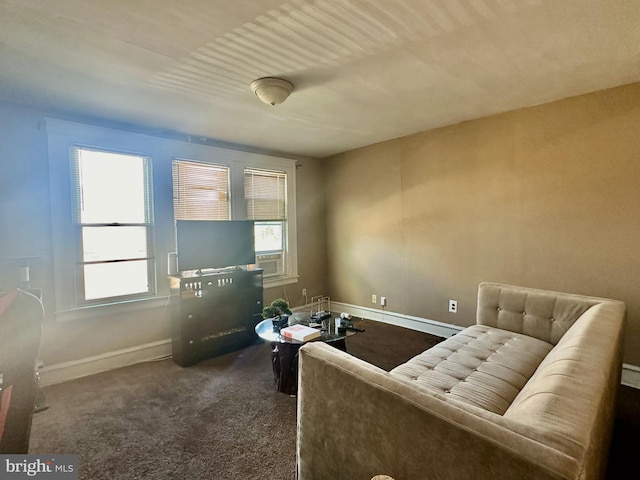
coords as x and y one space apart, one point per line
271 90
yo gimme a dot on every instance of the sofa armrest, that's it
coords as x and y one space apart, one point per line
356 420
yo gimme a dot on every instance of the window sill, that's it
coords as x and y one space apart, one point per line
118 308
121 308
271 282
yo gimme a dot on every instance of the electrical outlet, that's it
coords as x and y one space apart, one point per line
383 301
304 292
453 306
374 298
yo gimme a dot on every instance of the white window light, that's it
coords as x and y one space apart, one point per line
112 199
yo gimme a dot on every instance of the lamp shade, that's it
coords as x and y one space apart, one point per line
272 91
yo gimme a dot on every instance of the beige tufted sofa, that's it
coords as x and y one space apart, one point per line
526 393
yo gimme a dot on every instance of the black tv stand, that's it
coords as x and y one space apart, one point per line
213 313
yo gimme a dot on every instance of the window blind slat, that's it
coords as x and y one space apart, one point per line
200 191
265 194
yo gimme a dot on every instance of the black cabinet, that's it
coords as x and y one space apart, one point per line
213 314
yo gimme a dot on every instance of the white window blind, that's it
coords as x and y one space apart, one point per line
265 194
200 191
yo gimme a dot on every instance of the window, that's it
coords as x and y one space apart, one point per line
265 195
113 212
206 191
112 203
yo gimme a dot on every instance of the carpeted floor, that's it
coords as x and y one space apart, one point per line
219 419
625 444
222 418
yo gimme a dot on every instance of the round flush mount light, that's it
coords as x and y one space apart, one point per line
271 90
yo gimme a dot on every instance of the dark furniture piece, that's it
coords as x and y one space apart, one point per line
284 354
21 315
214 313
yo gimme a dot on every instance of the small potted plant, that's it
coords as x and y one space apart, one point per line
278 312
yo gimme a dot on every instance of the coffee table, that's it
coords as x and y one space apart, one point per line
284 354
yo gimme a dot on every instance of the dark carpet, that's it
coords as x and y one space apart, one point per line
222 418
219 419
625 444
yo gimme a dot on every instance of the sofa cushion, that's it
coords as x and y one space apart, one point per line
537 313
482 366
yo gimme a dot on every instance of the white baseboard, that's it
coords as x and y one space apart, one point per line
63 372
425 325
630 375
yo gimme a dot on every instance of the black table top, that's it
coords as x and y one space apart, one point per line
265 330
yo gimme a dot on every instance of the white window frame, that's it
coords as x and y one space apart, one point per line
239 161
63 135
264 257
80 226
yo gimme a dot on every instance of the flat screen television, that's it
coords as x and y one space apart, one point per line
203 244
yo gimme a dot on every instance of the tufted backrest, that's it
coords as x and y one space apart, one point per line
542 314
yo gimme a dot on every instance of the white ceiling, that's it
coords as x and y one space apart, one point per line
364 70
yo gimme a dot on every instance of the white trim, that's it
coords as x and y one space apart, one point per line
630 375
117 308
273 282
425 325
63 372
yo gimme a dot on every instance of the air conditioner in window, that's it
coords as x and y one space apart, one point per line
271 263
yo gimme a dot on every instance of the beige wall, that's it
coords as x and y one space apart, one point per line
310 212
546 197
25 230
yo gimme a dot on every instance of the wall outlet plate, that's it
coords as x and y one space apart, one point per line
453 306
